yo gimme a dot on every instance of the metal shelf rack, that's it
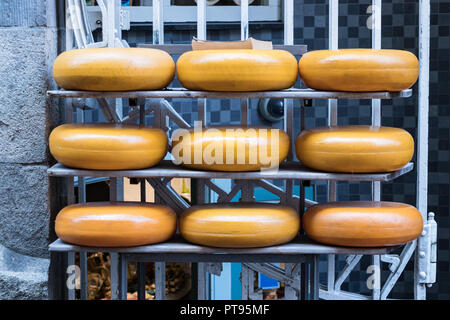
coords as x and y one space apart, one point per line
307 94
300 255
299 251
287 171
302 252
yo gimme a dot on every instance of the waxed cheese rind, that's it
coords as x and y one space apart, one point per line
102 146
237 70
114 69
115 224
239 225
359 70
354 149
362 223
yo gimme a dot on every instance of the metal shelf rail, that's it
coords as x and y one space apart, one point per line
299 251
287 171
307 94
301 255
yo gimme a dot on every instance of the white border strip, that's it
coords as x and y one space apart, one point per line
244 19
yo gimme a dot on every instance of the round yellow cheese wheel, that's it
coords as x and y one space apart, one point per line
359 70
362 223
114 69
230 148
355 149
239 225
104 146
237 70
115 224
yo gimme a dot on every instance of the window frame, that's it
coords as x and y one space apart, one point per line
270 12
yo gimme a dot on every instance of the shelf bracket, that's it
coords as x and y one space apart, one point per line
427 252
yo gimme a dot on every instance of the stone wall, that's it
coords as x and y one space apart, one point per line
28 39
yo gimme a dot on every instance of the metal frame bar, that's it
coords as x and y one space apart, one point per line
158 22
270 11
333 43
201 19
376 121
422 148
244 20
287 171
293 93
177 246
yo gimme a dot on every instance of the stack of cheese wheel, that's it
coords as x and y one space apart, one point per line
239 225
359 70
355 149
230 148
237 70
114 69
363 223
115 224
102 146
358 149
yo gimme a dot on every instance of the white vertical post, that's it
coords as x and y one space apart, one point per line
203 279
376 23
376 104
289 103
289 22
247 189
244 19
333 30
333 44
422 145
69 31
333 25
158 22
289 40
201 34
112 23
376 44
114 36
201 19
376 121
247 185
